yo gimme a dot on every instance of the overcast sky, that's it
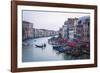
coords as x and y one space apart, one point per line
49 20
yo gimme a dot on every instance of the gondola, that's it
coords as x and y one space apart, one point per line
40 46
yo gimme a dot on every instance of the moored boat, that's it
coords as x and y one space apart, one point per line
56 46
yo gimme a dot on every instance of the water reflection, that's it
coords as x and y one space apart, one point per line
31 53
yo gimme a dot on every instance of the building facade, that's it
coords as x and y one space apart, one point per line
69 28
43 33
83 28
76 28
27 30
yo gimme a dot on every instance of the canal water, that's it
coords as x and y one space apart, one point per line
32 53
